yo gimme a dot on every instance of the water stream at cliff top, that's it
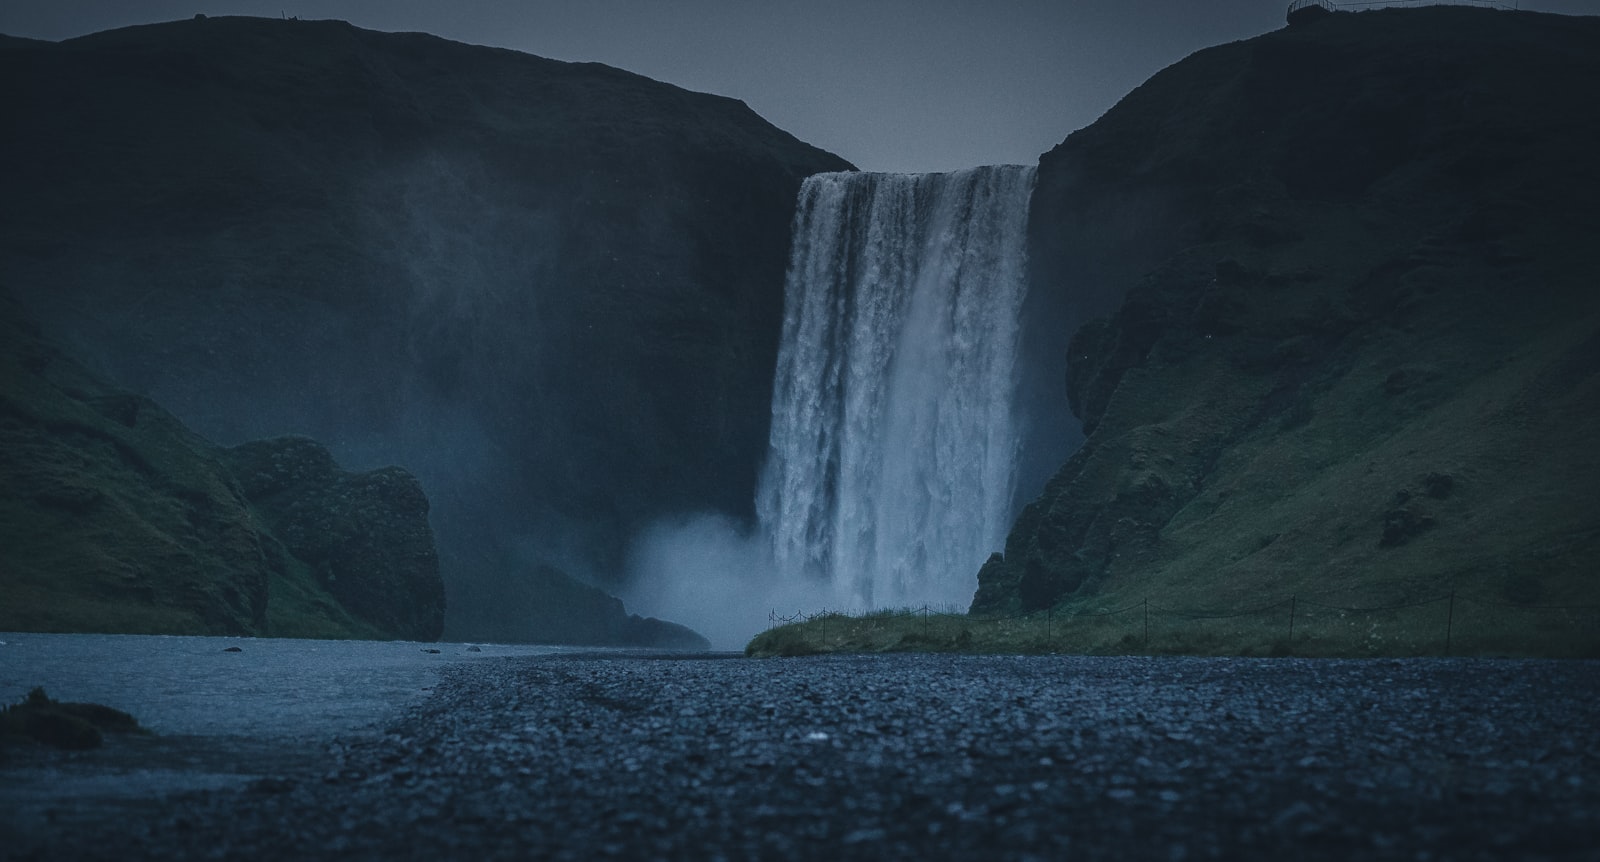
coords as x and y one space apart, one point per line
894 448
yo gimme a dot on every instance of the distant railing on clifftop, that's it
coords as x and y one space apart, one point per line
1297 5
1301 11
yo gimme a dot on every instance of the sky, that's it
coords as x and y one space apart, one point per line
890 85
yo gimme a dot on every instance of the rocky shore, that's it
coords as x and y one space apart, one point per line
887 757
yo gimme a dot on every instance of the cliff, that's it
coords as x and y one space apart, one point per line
553 291
115 517
1339 333
365 536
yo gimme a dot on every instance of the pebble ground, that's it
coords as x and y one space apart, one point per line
930 757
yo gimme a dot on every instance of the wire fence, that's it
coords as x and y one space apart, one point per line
1449 624
1336 5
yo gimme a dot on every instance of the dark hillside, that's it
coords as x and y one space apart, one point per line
1353 343
551 290
114 517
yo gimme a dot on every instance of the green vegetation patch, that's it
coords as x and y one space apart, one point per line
1456 625
116 518
298 607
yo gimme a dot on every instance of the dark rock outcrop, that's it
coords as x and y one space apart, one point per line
364 535
70 726
1325 261
552 290
114 517
570 611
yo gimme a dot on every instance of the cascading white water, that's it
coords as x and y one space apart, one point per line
894 447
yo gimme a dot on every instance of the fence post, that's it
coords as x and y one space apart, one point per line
1147 622
924 621
1291 621
1449 622
824 628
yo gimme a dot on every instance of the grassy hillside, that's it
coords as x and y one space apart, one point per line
116 518
1358 356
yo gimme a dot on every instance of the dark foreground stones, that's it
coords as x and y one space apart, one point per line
67 726
936 757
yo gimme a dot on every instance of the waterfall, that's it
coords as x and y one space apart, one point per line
894 447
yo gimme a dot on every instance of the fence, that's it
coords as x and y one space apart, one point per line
1450 624
1331 6
1298 5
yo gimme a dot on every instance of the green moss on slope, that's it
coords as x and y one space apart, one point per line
110 503
116 518
1357 354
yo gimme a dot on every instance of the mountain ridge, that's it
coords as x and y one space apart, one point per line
552 291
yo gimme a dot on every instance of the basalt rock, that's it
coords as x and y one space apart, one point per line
364 535
69 726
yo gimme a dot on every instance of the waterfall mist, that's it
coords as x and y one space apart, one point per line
893 454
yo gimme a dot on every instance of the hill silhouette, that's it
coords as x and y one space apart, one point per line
553 291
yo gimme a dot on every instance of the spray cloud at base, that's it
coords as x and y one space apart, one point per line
716 576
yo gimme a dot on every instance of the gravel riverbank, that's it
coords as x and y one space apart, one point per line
887 757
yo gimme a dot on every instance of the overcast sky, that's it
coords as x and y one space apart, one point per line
891 85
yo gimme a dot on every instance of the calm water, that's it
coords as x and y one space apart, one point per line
221 718
272 688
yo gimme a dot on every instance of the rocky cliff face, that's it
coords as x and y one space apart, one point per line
551 290
364 535
1347 336
114 517
585 604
